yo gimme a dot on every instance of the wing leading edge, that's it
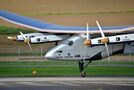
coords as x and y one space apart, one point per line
53 28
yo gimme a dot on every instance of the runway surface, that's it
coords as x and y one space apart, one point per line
67 83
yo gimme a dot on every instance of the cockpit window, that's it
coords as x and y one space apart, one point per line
70 43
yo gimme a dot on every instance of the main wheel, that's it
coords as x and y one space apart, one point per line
83 74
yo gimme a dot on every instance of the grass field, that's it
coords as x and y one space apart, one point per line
68 71
57 68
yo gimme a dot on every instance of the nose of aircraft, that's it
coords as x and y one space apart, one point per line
52 54
49 55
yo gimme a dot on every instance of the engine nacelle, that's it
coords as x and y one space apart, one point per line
45 38
39 38
114 39
29 36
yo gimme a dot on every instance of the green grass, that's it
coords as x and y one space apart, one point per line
13 31
67 71
49 68
50 62
21 54
110 71
35 63
45 71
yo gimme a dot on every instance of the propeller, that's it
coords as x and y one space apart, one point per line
87 32
104 39
87 42
26 40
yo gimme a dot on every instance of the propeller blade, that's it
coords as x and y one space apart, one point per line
107 51
26 40
103 36
87 32
87 38
29 46
23 35
87 42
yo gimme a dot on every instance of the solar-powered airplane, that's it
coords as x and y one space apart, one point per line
86 44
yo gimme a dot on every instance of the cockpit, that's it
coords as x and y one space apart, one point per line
68 42
66 50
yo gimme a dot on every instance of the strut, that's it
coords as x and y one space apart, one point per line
82 67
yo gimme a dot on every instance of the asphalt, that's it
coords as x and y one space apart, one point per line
67 83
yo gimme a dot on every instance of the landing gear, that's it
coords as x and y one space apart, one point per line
82 67
83 74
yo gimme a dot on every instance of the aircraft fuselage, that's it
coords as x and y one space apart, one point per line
74 49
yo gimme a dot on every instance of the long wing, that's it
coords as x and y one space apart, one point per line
53 28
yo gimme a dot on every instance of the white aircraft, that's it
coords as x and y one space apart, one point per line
86 44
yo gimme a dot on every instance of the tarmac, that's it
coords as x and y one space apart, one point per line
66 83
